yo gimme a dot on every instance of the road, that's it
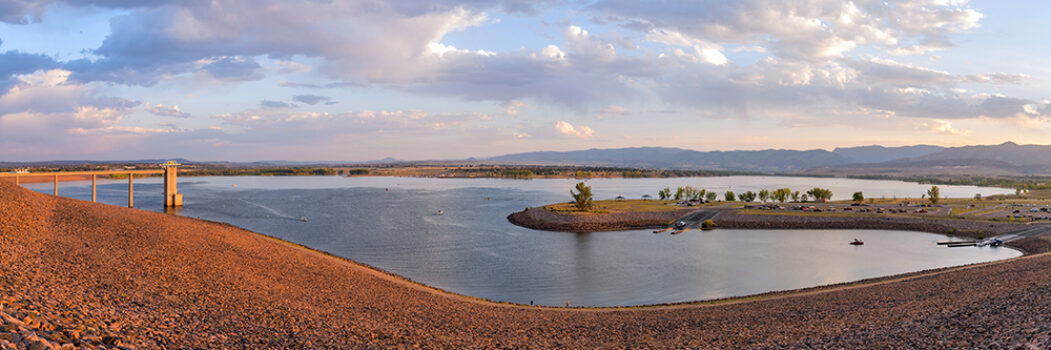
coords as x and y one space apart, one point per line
1033 230
693 220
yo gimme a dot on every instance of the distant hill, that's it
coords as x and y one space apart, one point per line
879 154
677 158
1004 159
1008 152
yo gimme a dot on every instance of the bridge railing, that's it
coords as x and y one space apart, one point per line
169 172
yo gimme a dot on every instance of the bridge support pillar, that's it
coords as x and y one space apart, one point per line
172 197
56 185
93 192
131 191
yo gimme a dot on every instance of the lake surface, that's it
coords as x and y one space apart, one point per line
472 249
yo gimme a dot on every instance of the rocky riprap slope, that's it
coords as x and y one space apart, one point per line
77 274
543 219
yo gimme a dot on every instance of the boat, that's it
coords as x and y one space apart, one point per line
857 242
441 212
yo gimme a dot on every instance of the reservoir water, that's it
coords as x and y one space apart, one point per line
392 224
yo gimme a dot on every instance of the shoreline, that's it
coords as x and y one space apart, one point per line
151 280
542 219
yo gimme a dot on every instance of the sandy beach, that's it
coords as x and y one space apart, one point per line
90 275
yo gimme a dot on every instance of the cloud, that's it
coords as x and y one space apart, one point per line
944 127
14 63
49 92
331 85
167 111
996 78
512 107
612 110
44 113
233 69
801 29
274 104
568 129
151 42
313 99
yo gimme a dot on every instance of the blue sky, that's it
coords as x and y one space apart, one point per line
361 80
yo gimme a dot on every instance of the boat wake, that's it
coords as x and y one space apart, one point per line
273 212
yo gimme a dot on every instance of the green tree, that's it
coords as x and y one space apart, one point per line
859 197
978 196
679 192
781 194
664 194
729 196
582 197
795 196
764 195
689 193
748 196
804 197
934 194
820 194
711 196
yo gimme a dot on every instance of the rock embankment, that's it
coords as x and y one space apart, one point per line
543 219
84 275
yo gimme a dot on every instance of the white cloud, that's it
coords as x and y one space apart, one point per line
804 29
512 107
167 111
944 127
577 131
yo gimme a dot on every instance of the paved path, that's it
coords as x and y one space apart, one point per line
694 219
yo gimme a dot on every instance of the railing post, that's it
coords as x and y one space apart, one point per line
93 192
16 180
56 185
131 191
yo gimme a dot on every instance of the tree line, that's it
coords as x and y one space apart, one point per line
583 199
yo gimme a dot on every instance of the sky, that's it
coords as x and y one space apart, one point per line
359 80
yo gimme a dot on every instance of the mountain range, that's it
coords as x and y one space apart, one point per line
1003 159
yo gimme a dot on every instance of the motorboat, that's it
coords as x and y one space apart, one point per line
857 242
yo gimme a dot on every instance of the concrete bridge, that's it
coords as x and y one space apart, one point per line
172 197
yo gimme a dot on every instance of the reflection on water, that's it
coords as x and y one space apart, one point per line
472 249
